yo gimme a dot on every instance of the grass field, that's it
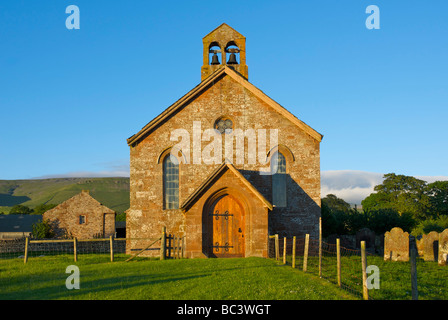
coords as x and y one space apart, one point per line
394 277
186 279
212 279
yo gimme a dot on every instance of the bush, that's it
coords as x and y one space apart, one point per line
42 230
383 220
350 222
426 226
20 209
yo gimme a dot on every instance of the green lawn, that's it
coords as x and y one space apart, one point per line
187 279
213 279
394 277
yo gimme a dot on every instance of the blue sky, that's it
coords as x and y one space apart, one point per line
69 99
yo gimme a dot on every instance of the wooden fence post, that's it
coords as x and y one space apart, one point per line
276 247
284 250
174 247
163 244
305 253
320 247
338 259
365 291
111 249
75 252
414 274
294 252
27 241
183 247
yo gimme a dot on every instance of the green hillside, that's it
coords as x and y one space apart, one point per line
112 192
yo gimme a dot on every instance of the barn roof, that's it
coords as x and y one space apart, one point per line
192 94
212 178
82 196
18 222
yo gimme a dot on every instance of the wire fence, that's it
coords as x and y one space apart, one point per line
376 279
337 264
321 259
96 250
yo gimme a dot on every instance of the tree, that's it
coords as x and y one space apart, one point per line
121 216
338 217
42 230
42 208
20 209
438 198
402 193
333 203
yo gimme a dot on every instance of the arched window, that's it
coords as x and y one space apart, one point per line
278 170
213 51
170 182
232 53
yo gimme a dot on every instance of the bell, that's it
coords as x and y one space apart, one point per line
232 59
215 59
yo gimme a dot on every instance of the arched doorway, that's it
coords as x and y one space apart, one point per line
224 219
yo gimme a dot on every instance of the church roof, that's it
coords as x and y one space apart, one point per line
212 178
224 27
192 94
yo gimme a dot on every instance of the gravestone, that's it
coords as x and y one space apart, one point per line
367 235
443 248
396 245
419 244
430 246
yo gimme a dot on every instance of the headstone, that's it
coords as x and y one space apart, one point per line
443 248
419 243
396 245
367 235
430 246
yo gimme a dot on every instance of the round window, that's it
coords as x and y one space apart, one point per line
222 124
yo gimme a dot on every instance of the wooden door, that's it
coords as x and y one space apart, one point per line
227 219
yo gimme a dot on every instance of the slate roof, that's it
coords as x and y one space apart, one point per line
18 222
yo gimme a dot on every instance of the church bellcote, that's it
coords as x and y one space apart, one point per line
224 46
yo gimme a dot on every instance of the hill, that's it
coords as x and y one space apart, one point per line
112 192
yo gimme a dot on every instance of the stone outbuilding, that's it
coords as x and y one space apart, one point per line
225 166
16 226
82 217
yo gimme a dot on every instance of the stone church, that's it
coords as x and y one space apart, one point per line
225 166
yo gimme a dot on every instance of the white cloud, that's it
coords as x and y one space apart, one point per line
86 174
430 179
351 185
113 168
354 186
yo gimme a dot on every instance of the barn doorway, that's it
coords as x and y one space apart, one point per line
226 228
